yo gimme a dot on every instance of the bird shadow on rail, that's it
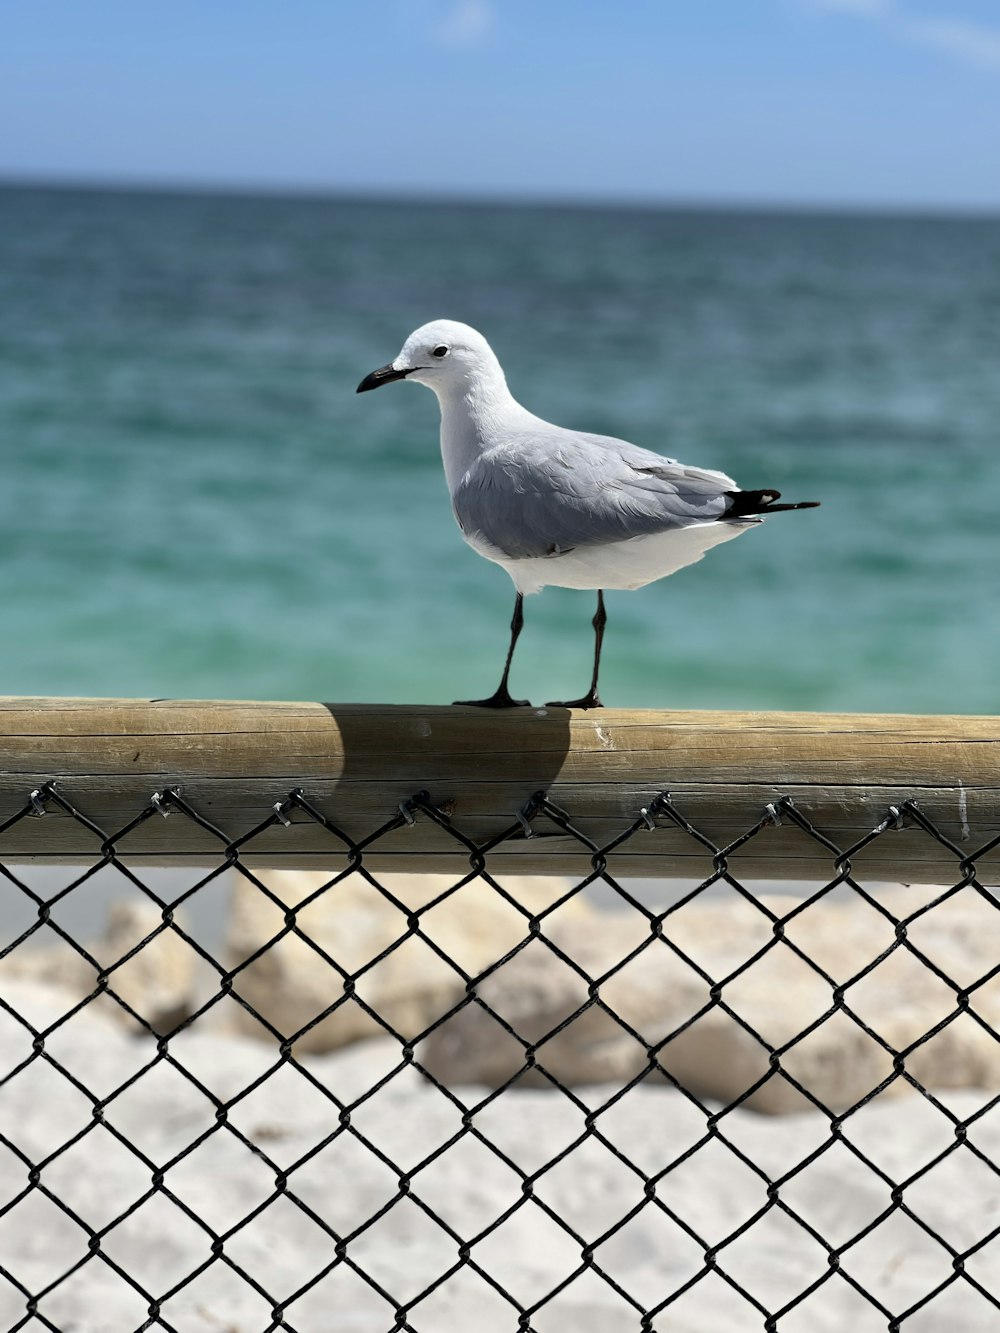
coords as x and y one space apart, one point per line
454 776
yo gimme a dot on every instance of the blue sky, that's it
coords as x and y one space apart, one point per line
845 102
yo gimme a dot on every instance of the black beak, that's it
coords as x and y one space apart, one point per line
384 375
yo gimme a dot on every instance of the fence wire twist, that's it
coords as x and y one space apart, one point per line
346 1247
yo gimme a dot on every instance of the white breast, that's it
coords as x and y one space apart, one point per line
628 564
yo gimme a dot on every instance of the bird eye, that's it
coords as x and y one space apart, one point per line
440 351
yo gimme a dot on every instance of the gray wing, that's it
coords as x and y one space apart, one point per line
544 492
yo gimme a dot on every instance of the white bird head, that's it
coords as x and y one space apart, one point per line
446 356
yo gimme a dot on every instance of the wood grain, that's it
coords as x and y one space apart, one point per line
356 763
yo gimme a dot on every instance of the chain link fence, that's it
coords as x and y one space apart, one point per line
630 1107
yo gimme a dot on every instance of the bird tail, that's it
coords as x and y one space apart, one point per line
748 504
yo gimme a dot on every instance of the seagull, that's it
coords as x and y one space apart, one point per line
557 507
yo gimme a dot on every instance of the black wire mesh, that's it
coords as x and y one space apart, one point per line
343 1279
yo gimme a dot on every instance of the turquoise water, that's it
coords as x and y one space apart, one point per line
194 502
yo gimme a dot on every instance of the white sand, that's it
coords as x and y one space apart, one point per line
468 1186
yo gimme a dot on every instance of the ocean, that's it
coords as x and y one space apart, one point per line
194 502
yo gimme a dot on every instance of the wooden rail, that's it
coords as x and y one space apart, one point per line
356 762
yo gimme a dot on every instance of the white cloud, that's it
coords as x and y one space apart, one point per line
852 6
467 23
973 43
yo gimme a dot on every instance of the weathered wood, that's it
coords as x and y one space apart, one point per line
356 763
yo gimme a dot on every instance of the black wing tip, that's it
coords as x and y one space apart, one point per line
748 504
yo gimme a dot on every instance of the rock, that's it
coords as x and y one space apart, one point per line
51 965
779 996
353 924
158 983
538 994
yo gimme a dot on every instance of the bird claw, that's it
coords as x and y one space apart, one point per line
590 700
501 699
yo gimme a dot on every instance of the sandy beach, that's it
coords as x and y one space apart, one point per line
276 1127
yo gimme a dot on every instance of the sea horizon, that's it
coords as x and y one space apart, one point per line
793 206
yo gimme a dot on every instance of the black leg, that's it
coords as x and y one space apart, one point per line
502 699
591 699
